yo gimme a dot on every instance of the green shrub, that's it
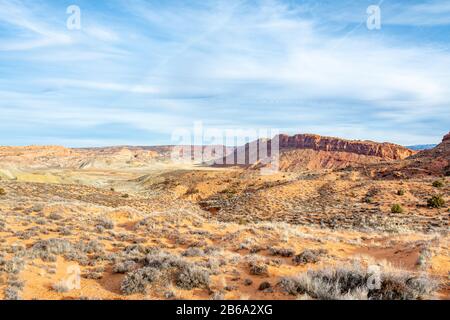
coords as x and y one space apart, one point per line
438 184
400 192
396 208
2 192
436 202
368 200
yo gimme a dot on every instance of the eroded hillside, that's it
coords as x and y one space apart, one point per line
134 225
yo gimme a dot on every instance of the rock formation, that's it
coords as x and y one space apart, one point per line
313 152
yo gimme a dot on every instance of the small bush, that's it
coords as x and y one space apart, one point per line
400 192
93 246
424 257
283 252
37 208
308 256
191 277
436 202
12 293
259 268
55 216
264 286
13 266
65 231
368 198
105 222
125 196
396 208
41 221
191 190
193 252
124 267
61 287
352 283
2 192
163 260
248 282
16 283
51 246
138 280
92 274
218 296
438 184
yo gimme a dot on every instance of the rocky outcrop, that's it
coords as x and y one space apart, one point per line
314 152
446 137
387 151
434 162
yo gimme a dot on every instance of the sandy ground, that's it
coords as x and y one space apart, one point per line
232 217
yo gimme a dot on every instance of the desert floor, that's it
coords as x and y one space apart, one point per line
200 233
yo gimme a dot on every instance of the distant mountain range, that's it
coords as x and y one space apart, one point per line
420 147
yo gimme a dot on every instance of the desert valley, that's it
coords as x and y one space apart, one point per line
341 219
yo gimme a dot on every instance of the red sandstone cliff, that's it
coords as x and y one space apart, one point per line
387 151
312 152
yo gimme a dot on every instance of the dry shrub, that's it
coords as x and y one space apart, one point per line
351 282
283 252
191 277
308 256
138 280
258 268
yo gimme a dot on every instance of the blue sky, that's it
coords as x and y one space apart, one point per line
138 70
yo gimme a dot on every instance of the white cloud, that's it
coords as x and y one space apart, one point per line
37 34
101 33
429 13
228 63
95 85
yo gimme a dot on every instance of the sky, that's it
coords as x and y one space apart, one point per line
136 71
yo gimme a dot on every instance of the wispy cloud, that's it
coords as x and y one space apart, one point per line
32 32
93 85
152 67
428 13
